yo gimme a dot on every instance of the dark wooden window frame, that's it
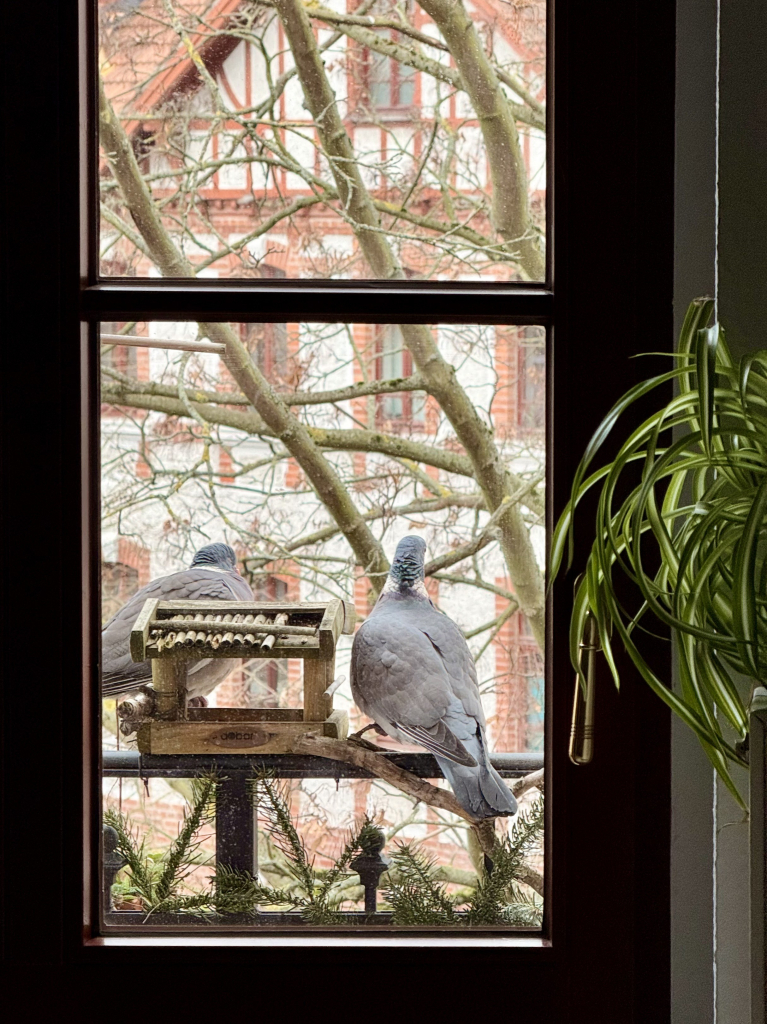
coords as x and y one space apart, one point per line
604 954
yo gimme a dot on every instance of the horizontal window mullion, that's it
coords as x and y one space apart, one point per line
379 302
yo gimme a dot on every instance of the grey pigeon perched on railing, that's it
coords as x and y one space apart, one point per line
413 674
212 575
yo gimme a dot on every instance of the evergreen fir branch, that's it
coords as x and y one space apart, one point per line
232 887
416 897
526 830
183 846
133 853
284 833
363 839
494 893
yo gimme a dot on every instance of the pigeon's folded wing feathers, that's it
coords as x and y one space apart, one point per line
383 665
448 640
120 673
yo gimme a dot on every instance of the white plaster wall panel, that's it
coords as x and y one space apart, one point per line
431 88
232 176
510 60
301 147
329 348
337 802
470 349
332 250
464 107
537 160
293 95
367 147
203 244
260 170
198 151
159 162
400 155
471 159
163 363
259 78
200 103
334 59
465 605
234 72
260 248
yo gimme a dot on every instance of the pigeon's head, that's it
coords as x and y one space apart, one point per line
407 568
217 556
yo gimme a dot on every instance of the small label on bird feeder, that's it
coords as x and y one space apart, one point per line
240 738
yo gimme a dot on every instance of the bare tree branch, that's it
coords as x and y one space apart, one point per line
511 211
257 389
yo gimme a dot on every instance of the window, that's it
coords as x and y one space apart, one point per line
265 190
394 362
390 83
639 157
268 344
532 380
372 154
182 466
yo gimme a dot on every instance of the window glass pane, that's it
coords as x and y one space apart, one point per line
188 463
220 156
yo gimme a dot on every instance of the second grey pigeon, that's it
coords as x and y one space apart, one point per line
213 576
412 672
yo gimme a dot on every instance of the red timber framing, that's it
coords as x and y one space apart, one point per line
604 952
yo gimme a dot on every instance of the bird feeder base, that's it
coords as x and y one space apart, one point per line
172 634
237 731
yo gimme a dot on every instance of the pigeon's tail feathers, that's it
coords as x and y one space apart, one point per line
480 790
116 687
440 741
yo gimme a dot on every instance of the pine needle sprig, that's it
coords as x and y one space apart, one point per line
523 909
133 853
526 831
273 802
361 839
496 890
185 844
412 892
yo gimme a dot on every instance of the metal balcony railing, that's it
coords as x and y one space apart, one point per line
235 821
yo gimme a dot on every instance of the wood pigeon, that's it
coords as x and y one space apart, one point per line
413 674
213 575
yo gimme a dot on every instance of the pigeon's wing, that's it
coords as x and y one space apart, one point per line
122 675
450 644
399 678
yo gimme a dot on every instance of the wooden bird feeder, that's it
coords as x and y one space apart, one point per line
173 633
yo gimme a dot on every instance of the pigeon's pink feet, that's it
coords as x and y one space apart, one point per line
197 702
356 737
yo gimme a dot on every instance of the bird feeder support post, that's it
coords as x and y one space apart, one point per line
319 673
236 831
169 684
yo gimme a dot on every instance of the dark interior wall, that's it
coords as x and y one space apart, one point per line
743 173
695 212
614 294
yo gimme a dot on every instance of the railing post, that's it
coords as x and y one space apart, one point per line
112 862
370 865
236 833
758 825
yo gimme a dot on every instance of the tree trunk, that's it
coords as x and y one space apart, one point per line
511 207
439 376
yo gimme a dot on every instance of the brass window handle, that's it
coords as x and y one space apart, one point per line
581 749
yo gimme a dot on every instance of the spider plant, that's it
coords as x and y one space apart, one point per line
696 472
